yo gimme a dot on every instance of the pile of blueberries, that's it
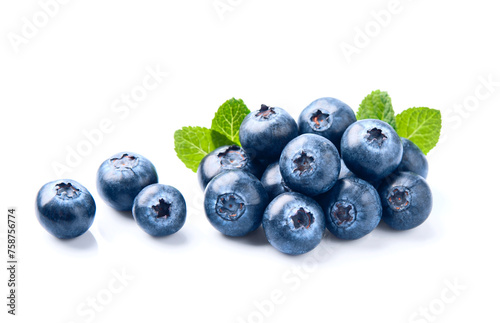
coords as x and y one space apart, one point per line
296 179
328 170
126 182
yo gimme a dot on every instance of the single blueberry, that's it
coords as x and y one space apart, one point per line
225 158
65 208
406 200
327 117
371 149
266 132
413 159
122 176
310 164
352 208
293 223
273 181
159 210
234 202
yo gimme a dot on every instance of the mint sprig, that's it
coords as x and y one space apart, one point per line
194 143
228 119
421 125
377 105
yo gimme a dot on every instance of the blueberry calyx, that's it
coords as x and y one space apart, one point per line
319 119
230 206
399 198
302 219
343 214
265 112
126 161
233 157
376 135
303 163
162 209
67 190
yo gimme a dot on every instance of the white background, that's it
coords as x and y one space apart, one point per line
66 76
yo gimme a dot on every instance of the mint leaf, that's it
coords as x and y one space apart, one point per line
194 143
220 140
377 105
420 125
228 119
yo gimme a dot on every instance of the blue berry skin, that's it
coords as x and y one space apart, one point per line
327 117
226 158
371 149
273 182
406 200
265 132
234 202
65 208
122 176
293 223
352 208
413 159
159 210
310 164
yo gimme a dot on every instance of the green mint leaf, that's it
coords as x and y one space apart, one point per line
220 140
228 119
377 105
194 143
420 125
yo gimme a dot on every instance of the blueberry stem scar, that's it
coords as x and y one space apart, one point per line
126 161
303 163
67 189
265 112
399 198
302 219
343 214
233 156
376 135
162 209
319 119
230 206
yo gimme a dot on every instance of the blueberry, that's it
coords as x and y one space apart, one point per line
225 158
121 177
159 210
294 223
65 208
413 160
327 117
234 202
352 208
406 200
266 132
273 182
371 149
310 164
